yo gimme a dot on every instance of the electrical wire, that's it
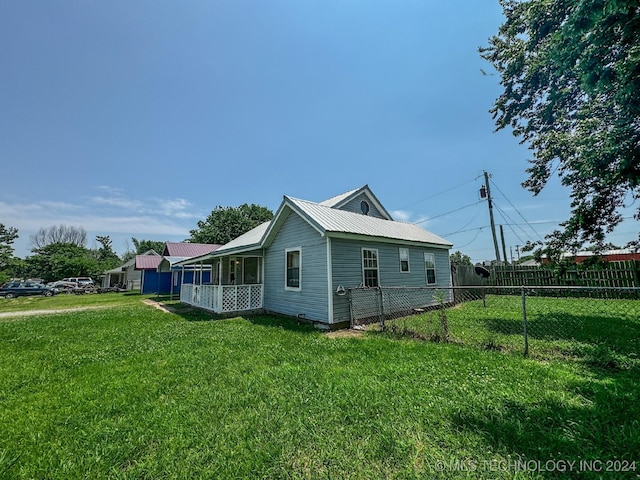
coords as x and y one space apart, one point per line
448 213
464 231
472 240
514 207
440 193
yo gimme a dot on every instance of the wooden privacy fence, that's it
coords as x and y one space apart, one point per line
611 275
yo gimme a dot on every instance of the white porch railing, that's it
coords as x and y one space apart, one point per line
222 298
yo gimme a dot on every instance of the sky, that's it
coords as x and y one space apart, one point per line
138 118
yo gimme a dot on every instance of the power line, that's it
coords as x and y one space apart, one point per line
472 240
463 231
440 193
448 213
514 207
506 217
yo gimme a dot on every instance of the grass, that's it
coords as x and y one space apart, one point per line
61 301
601 332
132 392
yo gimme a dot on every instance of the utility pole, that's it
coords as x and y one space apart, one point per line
493 226
504 250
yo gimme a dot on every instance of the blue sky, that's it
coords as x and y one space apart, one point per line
136 119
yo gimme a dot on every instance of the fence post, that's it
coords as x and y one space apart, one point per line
381 309
524 322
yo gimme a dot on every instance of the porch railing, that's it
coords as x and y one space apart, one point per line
222 298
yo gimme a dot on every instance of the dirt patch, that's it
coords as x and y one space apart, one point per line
346 333
31 313
158 305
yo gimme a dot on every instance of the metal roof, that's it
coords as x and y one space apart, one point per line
248 241
331 220
342 199
147 262
252 238
186 250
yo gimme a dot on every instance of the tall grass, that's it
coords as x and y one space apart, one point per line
132 392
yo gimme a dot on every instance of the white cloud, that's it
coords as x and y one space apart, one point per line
409 217
115 215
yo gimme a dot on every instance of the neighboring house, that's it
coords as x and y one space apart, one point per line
158 274
126 274
171 276
304 260
619 255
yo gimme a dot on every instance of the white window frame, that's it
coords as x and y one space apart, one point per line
430 257
364 267
286 269
401 251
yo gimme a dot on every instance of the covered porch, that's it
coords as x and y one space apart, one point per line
235 286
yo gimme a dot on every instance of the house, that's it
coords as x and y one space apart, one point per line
619 255
175 252
158 272
126 274
151 272
303 261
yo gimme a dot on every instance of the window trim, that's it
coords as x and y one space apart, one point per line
286 268
400 251
432 258
362 250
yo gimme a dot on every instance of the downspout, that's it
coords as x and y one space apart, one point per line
329 282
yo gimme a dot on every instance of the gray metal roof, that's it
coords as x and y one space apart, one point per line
252 238
331 220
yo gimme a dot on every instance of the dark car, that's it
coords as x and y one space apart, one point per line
19 289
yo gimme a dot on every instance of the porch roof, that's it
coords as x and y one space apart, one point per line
252 240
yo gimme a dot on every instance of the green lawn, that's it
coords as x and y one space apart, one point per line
132 392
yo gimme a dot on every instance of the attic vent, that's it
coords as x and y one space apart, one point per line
364 207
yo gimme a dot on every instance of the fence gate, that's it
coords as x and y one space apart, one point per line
364 305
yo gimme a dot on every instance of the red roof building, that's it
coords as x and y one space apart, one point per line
188 250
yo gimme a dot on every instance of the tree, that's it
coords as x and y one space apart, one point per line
7 236
571 77
58 260
142 246
459 258
59 234
226 223
105 254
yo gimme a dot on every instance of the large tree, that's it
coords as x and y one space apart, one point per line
58 260
226 223
571 76
59 234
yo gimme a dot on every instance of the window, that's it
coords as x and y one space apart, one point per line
430 268
364 207
370 267
404 259
292 275
251 270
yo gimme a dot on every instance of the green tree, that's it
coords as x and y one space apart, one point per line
226 223
105 254
7 261
58 260
459 258
571 76
142 246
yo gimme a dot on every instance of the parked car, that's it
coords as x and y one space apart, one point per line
62 286
20 289
80 281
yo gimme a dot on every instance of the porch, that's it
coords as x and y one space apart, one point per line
222 298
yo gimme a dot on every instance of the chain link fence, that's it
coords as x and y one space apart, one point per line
594 325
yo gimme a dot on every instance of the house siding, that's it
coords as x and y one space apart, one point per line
353 205
311 300
347 269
